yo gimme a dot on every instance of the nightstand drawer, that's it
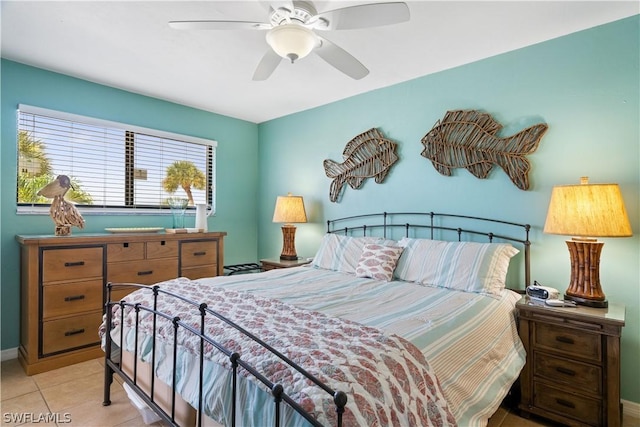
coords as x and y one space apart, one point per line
71 298
578 407
71 332
573 342
199 253
579 376
71 264
144 272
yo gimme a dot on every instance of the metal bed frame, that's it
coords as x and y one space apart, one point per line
434 223
114 367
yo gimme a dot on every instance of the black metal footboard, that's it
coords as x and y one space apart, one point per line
115 366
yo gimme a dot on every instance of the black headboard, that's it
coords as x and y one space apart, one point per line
440 226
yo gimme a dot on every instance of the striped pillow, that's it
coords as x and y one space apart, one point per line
341 253
465 266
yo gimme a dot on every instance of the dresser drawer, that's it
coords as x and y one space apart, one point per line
121 292
125 251
71 264
162 249
572 342
578 407
71 332
199 253
200 272
71 298
579 376
144 272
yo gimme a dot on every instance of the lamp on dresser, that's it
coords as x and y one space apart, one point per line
289 209
587 211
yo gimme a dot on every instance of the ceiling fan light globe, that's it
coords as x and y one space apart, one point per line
292 41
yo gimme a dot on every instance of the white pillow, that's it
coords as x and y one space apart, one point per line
341 253
378 261
465 266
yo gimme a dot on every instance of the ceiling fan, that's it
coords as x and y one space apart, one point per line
291 32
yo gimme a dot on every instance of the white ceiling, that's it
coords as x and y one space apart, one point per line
129 45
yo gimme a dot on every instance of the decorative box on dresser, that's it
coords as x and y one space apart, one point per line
572 373
63 285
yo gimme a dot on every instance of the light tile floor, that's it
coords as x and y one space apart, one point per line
74 395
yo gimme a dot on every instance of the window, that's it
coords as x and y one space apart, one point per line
111 165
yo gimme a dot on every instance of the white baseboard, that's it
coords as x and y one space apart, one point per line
8 354
631 409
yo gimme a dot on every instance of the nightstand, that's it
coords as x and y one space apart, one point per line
271 263
572 373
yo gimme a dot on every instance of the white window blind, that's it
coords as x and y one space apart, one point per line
111 165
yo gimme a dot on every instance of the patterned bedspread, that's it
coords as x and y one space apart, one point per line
470 340
387 379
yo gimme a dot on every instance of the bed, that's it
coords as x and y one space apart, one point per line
401 319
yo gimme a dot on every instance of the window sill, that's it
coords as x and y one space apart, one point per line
44 210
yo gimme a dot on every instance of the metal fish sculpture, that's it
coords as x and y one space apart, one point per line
367 155
467 139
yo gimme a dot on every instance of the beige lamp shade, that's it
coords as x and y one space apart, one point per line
289 209
587 210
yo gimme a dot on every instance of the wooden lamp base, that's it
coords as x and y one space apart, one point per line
289 243
584 287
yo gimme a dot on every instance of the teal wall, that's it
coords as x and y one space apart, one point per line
237 167
584 86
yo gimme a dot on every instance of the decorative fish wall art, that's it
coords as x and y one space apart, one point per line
368 155
467 139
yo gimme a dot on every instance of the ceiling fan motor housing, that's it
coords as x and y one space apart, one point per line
302 12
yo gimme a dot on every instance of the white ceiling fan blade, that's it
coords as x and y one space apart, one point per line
267 65
219 25
341 59
364 16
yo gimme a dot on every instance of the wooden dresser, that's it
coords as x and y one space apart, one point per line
63 279
572 373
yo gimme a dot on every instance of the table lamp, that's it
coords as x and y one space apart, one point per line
587 211
289 209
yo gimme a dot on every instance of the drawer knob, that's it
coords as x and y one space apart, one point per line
565 403
74 264
74 332
145 273
74 298
566 371
565 340
199 253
